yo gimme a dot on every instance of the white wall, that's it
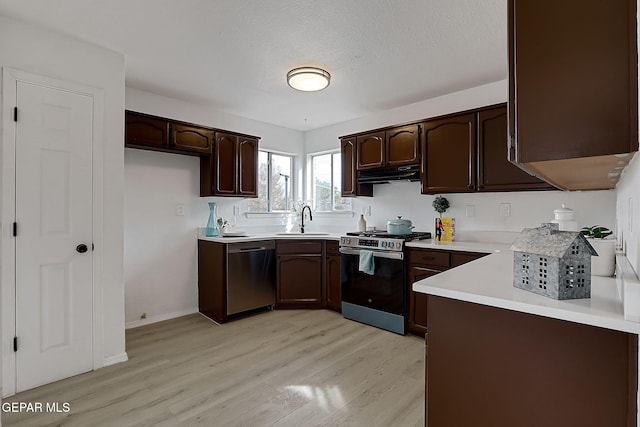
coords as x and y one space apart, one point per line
628 212
160 247
39 51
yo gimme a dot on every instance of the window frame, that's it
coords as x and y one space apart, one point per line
310 186
270 154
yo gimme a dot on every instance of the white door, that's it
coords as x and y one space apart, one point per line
54 273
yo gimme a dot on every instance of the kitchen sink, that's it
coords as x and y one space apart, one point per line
310 233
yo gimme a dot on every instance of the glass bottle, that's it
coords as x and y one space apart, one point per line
212 229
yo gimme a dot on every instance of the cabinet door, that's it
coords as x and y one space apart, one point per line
334 285
212 280
147 131
370 150
448 155
191 138
572 78
417 301
350 186
403 145
300 281
224 158
495 171
247 166
348 153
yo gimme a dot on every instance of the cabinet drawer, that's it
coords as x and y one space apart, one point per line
333 247
427 257
459 258
299 247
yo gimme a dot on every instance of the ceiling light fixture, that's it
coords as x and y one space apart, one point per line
308 79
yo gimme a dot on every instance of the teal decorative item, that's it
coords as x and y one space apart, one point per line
212 224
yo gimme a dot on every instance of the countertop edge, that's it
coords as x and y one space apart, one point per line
610 313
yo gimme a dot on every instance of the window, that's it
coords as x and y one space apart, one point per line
274 183
325 183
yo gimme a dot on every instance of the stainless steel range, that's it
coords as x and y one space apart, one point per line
373 278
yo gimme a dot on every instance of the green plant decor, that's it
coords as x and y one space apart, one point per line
596 232
440 204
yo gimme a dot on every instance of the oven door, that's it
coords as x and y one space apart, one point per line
384 290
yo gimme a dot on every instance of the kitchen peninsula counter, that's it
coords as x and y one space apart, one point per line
489 281
502 356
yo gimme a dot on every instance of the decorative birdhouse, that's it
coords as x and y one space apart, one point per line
553 263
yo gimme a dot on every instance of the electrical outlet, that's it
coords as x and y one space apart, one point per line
505 209
471 210
143 316
180 210
236 210
368 211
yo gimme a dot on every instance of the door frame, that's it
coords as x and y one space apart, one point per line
10 78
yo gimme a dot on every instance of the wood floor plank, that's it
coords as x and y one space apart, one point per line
278 368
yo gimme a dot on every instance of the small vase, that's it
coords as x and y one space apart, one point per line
605 263
212 224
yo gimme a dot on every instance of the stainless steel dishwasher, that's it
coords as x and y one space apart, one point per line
251 275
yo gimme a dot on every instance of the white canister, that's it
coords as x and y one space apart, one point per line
565 218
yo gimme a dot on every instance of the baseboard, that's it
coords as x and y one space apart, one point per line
160 318
112 360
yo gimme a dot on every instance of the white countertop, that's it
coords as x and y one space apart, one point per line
250 237
489 281
481 247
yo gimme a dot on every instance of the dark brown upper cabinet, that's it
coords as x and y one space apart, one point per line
448 155
495 171
573 77
350 186
144 131
232 169
370 150
393 147
247 166
160 134
191 138
403 146
468 152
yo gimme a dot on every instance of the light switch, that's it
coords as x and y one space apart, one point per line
179 210
505 209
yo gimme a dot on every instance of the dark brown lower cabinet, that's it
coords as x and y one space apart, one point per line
212 279
417 301
332 274
300 278
487 366
423 263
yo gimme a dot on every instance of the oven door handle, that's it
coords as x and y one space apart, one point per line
376 254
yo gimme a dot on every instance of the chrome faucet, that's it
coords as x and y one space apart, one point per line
302 214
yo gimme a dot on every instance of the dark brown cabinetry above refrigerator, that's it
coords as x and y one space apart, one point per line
573 102
228 160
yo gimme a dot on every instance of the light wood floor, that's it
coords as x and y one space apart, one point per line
280 368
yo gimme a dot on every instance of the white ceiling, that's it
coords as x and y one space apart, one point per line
233 55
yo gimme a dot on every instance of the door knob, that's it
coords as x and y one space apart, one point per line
81 248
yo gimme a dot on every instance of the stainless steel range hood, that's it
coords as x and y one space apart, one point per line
385 175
